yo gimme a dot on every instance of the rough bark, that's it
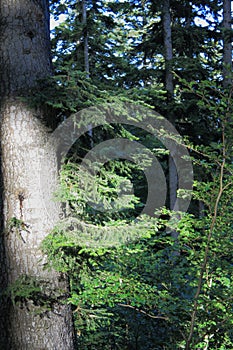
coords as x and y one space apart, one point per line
24 58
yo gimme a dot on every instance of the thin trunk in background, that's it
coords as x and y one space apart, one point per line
85 39
227 43
86 57
168 48
173 179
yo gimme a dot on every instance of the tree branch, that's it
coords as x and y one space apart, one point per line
144 312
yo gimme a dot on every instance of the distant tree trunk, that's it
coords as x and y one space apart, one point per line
24 58
168 47
173 179
85 38
86 57
227 43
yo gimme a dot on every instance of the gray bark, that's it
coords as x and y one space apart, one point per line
85 38
86 56
24 58
227 44
173 179
168 47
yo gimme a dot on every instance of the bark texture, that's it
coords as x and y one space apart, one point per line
27 216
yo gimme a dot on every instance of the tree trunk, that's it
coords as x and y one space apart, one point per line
173 178
168 47
227 43
86 57
85 39
37 320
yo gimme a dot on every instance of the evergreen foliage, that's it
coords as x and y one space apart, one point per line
133 285
155 291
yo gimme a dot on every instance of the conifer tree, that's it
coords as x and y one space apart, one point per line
32 315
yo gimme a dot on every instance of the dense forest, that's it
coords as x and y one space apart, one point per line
116 175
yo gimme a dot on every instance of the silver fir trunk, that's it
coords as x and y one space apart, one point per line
26 215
